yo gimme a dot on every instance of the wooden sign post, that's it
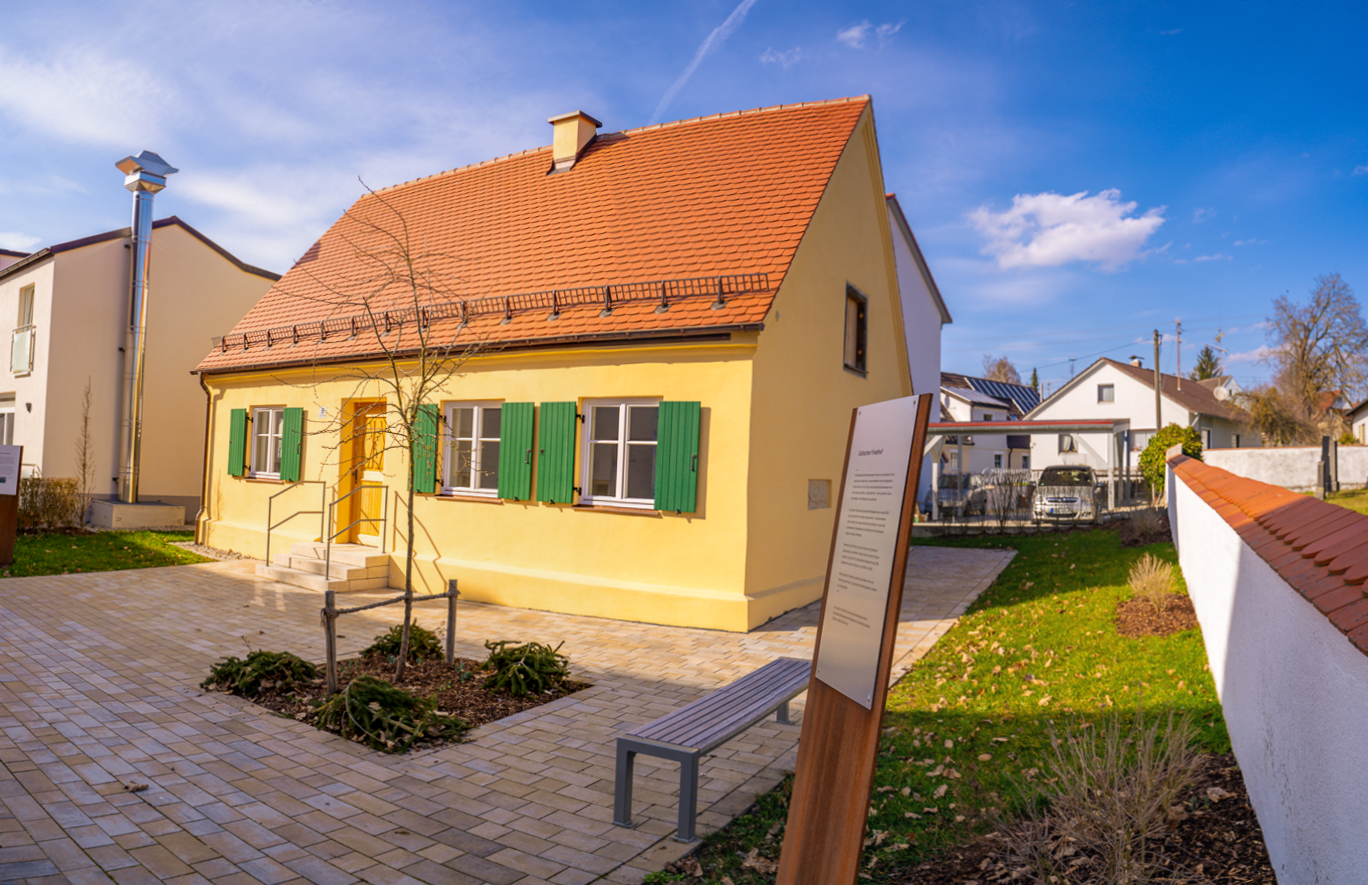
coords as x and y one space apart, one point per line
839 744
11 458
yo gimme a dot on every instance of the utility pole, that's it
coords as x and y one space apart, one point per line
1179 325
1158 420
1071 366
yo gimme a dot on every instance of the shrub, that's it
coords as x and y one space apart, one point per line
525 669
1154 458
49 503
261 670
1108 793
1152 580
370 711
423 643
1145 523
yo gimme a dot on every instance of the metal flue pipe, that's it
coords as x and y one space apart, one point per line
144 175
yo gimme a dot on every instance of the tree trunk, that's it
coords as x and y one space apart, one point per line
408 585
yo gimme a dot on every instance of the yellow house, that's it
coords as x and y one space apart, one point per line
645 347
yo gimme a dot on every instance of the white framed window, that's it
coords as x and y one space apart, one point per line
1106 393
988 416
620 453
267 425
1025 462
997 459
1067 444
471 462
1140 439
7 419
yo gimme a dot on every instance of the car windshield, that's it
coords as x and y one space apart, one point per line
1067 476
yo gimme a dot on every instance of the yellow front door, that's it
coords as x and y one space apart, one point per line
366 473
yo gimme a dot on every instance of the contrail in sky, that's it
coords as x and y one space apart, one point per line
715 39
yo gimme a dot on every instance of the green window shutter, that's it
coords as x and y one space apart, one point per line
556 453
515 452
291 444
676 483
237 442
425 449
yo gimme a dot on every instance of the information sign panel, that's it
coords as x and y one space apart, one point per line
9 469
861 567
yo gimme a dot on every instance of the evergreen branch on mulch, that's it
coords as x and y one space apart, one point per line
370 711
260 671
423 643
525 669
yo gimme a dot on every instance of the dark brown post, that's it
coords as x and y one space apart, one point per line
452 593
840 739
330 636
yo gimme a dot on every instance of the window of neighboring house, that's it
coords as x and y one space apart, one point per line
1106 393
7 420
954 461
21 342
471 465
620 453
856 330
1066 443
267 427
988 416
997 460
1140 439
1206 439
1237 439
1025 462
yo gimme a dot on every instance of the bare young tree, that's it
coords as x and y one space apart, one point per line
1280 420
999 368
85 459
412 349
1318 346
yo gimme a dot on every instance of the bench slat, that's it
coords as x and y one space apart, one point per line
716 717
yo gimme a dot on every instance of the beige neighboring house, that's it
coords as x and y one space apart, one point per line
67 308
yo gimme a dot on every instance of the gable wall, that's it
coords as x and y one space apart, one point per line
804 397
31 389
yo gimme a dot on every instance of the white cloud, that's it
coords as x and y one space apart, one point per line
1171 32
1216 257
1361 170
84 96
857 35
1200 215
1049 229
786 59
1250 242
17 242
718 36
1257 355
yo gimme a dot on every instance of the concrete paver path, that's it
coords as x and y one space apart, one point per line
98 677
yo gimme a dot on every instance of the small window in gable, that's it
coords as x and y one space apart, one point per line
1106 393
856 330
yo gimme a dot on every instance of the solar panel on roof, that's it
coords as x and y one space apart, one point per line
1023 397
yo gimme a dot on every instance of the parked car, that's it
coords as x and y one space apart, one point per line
1068 492
961 494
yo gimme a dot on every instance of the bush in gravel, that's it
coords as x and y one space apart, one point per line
261 670
423 643
1109 791
525 669
370 711
1152 580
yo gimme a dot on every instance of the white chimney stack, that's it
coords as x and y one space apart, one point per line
571 132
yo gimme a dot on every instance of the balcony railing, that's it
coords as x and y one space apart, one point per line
21 350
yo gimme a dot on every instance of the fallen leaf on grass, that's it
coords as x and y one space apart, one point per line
754 861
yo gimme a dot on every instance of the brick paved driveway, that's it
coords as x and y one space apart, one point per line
98 678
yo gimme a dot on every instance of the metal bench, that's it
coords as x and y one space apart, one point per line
692 730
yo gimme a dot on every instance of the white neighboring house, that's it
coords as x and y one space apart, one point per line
1112 389
967 398
68 306
923 308
1357 418
9 256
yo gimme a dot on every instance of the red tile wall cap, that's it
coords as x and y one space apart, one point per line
1356 530
1314 531
1359 636
1351 617
1347 562
1337 599
1353 542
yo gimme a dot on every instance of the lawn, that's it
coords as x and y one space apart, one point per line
1353 499
61 553
969 723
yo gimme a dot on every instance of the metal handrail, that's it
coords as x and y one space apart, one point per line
383 520
270 526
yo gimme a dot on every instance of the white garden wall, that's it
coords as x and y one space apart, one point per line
1295 695
1292 467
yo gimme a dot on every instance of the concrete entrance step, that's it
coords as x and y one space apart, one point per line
352 568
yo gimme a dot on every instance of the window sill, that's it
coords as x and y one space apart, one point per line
476 499
274 480
626 511
863 373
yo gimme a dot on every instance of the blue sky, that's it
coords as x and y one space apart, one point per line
1077 174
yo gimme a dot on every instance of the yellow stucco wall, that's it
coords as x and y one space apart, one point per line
687 569
803 394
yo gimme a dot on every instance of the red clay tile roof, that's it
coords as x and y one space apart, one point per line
1318 548
727 196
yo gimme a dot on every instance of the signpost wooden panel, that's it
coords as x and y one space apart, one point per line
840 738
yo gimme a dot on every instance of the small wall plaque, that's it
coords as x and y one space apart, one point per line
819 494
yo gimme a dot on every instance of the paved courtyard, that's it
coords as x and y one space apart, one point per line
98 693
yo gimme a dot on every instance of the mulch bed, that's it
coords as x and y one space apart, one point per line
1135 617
459 690
1218 842
1132 537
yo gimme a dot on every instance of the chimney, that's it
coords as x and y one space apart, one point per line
1135 361
572 132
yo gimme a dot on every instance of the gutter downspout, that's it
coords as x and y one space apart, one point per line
204 480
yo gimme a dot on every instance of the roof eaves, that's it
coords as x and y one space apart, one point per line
25 263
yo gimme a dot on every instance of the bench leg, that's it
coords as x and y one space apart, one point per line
688 797
781 715
622 789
